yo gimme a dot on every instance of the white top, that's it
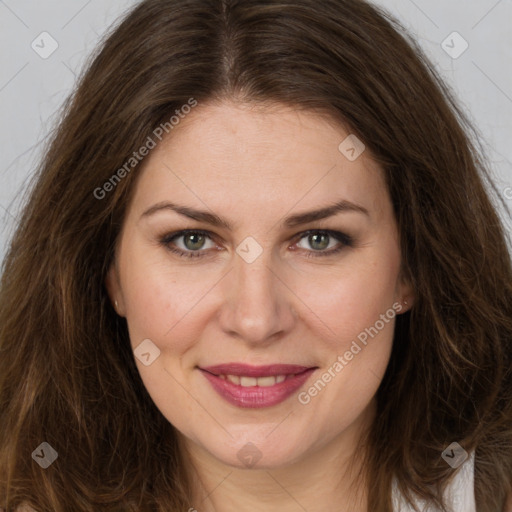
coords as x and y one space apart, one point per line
459 494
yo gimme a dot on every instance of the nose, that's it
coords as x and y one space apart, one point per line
258 303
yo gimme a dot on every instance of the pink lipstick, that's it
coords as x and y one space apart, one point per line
256 386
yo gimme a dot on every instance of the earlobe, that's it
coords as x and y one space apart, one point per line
114 290
406 302
406 295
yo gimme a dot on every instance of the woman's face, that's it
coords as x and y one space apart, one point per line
253 289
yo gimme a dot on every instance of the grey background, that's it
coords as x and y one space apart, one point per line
32 88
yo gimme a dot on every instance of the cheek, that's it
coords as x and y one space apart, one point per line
162 302
357 308
346 300
166 303
163 306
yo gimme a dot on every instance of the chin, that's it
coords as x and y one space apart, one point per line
262 453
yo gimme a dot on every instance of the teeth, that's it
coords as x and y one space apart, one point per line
235 379
248 381
263 382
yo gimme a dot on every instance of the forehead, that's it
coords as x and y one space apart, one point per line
228 155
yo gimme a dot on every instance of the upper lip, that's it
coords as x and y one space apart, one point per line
246 370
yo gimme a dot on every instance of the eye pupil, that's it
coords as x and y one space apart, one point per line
314 238
192 236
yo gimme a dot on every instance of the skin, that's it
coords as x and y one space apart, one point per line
254 167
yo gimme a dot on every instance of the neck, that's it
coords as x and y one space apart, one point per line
330 475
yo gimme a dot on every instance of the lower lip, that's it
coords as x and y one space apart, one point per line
257 397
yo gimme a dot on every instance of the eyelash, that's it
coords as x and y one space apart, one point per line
345 241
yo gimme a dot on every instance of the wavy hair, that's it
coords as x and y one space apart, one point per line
67 372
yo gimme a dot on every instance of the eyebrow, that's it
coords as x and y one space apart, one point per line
342 206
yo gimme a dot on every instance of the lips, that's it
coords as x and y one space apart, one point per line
256 386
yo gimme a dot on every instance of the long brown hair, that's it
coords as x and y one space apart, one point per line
67 373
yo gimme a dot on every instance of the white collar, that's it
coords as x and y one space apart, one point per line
459 494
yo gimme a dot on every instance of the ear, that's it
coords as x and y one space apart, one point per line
115 293
405 293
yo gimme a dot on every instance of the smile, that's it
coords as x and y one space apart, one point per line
256 387
263 382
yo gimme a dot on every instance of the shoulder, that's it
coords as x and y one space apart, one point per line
459 493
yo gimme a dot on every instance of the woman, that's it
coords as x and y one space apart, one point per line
172 336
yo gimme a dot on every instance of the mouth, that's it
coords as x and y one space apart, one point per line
256 386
